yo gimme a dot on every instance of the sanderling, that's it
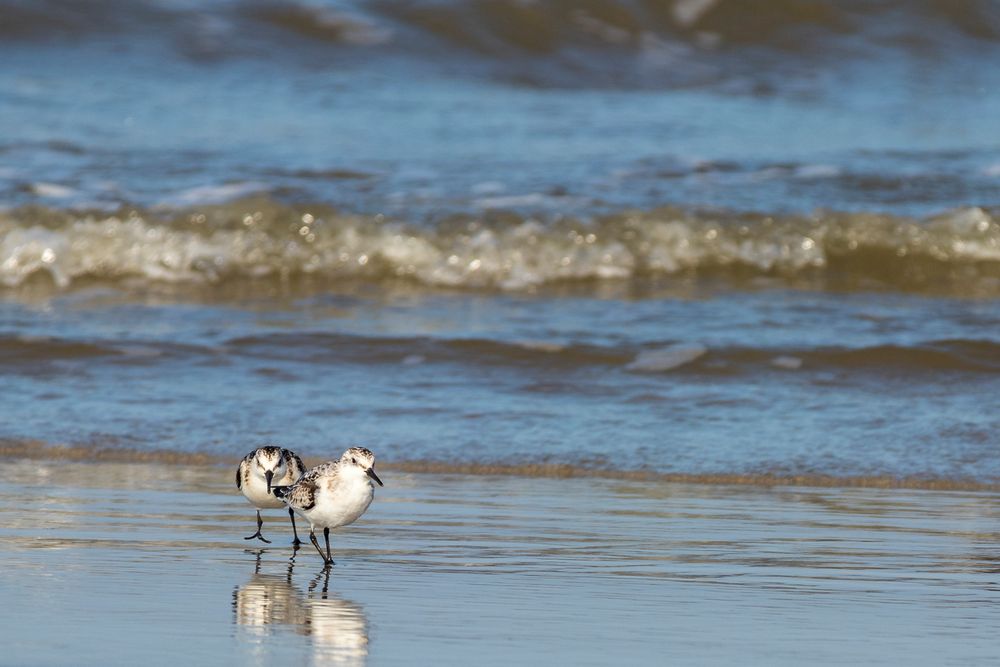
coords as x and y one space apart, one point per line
257 475
333 494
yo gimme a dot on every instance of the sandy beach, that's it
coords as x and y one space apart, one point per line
120 564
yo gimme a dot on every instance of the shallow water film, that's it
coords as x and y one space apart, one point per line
129 565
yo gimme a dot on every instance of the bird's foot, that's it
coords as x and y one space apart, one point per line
258 536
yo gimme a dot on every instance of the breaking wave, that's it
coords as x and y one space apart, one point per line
260 239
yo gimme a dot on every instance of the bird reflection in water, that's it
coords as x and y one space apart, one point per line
269 606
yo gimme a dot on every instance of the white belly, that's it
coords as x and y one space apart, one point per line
255 490
260 498
342 508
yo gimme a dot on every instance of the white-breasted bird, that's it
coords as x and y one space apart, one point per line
257 475
333 494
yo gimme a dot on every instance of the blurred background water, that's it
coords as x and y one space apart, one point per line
688 236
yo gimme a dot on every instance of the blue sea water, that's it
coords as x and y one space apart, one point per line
704 238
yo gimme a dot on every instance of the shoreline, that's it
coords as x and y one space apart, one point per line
35 450
136 563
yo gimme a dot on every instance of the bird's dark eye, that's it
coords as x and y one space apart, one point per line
354 461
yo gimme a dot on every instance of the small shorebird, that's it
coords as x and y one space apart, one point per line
333 494
257 475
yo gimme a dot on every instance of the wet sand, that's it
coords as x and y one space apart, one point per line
116 563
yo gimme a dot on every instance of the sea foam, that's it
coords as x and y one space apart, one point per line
262 239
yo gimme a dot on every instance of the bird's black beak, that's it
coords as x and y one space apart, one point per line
269 475
371 473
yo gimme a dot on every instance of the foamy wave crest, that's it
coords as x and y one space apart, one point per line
262 239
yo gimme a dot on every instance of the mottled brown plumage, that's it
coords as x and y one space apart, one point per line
333 494
291 459
261 470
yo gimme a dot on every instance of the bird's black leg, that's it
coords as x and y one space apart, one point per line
291 515
312 538
260 522
326 536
